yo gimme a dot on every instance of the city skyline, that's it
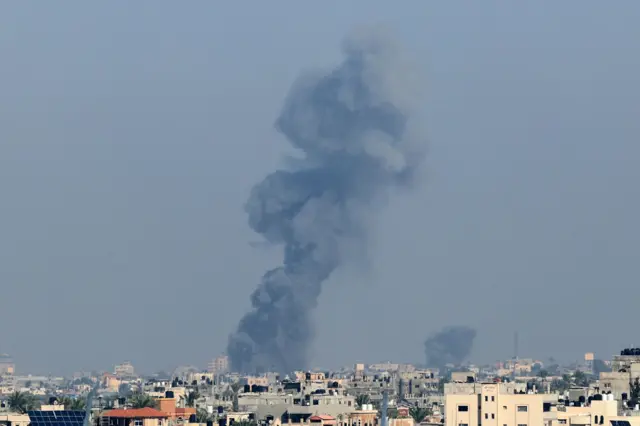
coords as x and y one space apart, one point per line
130 138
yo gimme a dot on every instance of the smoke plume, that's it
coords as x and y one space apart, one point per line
350 126
451 345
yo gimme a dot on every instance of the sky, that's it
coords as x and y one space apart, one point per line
132 132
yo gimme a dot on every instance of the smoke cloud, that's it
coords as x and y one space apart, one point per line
351 127
451 345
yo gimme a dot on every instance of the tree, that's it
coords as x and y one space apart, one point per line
362 399
203 416
141 400
22 402
599 366
72 404
235 388
418 413
580 379
543 374
191 398
559 385
392 413
124 390
244 423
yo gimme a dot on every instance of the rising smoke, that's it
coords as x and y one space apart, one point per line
451 345
350 125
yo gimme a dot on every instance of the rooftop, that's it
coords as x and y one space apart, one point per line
136 413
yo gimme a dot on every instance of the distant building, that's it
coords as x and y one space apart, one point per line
589 359
124 370
7 367
134 417
219 365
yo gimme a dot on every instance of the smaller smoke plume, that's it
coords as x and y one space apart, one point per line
451 345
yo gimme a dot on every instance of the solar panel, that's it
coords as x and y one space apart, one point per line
56 418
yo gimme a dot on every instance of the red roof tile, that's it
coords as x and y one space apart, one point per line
136 413
321 417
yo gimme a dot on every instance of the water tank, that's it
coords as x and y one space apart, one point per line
220 409
193 419
168 394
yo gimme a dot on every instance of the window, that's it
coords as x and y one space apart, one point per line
522 424
493 398
137 422
522 408
463 408
493 416
486 416
463 424
316 401
486 398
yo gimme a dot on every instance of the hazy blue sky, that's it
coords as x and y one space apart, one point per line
131 133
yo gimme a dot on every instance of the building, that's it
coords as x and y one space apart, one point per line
169 406
219 365
589 359
594 413
625 369
7 367
495 404
124 370
134 417
13 419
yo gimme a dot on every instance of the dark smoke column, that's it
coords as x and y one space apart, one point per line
351 127
451 345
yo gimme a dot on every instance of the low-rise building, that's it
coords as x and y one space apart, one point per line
14 419
134 417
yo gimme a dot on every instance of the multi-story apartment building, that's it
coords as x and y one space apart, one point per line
219 365
625 369
496 404
124 370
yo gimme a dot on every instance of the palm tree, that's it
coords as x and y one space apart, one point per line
419 413
392 413
235 388
141 400
362 399
203 416
580 378
72 404
191 398
22 402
